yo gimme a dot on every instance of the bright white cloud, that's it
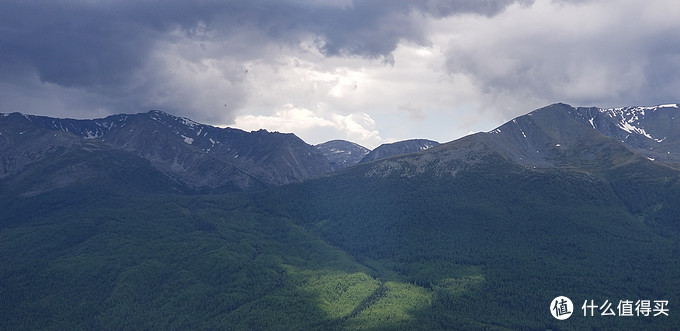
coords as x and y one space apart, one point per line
359 126
315 127
289 119
412 90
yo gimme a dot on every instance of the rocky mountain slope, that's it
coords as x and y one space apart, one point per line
194 155
650 131
556 136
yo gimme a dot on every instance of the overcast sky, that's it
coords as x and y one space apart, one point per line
369 71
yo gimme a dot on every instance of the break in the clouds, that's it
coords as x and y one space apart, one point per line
370 71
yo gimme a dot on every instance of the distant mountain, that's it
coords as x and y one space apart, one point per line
342 153
194 155
399 148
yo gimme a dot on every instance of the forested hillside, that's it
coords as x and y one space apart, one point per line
478 233
495 245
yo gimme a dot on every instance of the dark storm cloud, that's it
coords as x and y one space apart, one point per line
90 44
105 47
97 43
374 28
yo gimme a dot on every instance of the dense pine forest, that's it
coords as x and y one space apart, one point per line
488 249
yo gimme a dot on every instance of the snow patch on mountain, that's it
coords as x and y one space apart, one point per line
188 140
591 122
427 146
91 135
629 119
189 122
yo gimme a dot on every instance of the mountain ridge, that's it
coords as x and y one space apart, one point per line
343 153
399 148
555 136
200 156
204 157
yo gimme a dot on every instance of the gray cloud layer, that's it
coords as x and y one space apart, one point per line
85 58
605 53
97 43
105 47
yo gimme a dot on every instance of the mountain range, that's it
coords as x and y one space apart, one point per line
192 156
201 157
155 221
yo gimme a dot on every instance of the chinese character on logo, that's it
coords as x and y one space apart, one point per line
561 308
606 309
660 307
592 306
625 308
643 307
